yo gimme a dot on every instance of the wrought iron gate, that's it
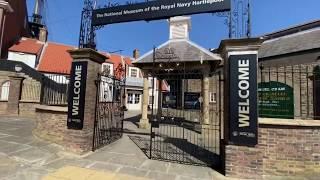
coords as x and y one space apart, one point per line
178 131
109 113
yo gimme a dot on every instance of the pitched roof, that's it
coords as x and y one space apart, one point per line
55 59
27 45
184 51
302 41
117 59
293 29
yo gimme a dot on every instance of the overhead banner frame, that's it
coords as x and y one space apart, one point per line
155 10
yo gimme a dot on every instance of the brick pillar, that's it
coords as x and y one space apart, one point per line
144 121
80 141
239 149
14 94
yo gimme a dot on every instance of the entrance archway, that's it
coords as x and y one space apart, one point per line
182 109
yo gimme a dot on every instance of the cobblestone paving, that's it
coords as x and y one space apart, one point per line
24 157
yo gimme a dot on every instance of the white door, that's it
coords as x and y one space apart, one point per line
134 101
5 91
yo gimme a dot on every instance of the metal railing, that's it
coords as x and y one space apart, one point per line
289 92
9 65
54 90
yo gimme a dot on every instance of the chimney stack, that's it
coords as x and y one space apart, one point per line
43 34
136 54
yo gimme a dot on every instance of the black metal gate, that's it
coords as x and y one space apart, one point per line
109 113
179 130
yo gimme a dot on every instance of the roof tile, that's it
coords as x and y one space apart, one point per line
56 59
27 45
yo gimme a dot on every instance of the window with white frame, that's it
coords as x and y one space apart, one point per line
213 97
133 98
107 67
137 98
4 91
130 98
106 91
134 72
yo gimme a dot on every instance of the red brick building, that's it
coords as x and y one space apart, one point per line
15 25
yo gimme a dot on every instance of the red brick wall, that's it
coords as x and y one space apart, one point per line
27 109
243 162
15 25
282 151
51 125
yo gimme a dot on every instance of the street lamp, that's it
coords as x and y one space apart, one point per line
18 68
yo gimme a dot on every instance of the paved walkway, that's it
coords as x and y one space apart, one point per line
23 157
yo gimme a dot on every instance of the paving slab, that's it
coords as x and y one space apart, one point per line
29 174
128 177
131 161
34 156
17 139
104 167
125 146
38 143
101 156
133 171
7 166
76 173
10 147
154 165
160 176
52 148
4 135
21 132
190 171
59 163
184 178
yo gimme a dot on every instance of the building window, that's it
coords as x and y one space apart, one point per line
106 92
130 98
137 98
213 97
107 68
4 91
133 98
151 80
150 100
134 72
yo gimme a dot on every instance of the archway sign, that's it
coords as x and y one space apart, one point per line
155 10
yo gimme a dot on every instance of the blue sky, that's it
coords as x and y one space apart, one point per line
63 21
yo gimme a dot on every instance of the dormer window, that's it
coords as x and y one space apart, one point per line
133 72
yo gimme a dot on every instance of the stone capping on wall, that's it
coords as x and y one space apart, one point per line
289 122
29 101
52 108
